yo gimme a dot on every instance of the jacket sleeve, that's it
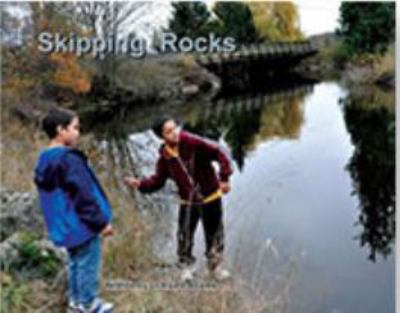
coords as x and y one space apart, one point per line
212 151
155 181
77 182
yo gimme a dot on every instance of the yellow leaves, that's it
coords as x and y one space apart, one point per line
281 119
17 86
68 74
276 21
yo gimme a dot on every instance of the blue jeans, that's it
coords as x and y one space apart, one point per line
83 271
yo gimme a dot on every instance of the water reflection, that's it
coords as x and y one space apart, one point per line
371 123
308 154
244 123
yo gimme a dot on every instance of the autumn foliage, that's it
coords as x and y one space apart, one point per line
68 74
276 21
26 70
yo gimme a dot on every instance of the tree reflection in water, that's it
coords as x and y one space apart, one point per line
371 123
248 123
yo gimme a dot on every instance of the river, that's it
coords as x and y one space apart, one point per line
310 218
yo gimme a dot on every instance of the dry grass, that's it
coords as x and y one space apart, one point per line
128 251
386 64
366 69
20 144
183 301
127 254
373 98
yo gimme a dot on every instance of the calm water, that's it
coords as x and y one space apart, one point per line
310 219
293 202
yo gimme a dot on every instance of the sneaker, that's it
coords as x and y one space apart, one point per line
187 273
72 308
220 274
98 306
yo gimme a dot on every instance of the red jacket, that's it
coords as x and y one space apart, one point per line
191 170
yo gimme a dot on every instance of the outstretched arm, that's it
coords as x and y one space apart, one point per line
151 183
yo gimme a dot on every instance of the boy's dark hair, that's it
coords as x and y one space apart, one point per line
158 124
54 118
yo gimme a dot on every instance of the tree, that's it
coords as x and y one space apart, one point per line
371 123
236 21
68 74
28 71
247 22
109 19
189 19
367 27
13 27
103 19
276 20
25 67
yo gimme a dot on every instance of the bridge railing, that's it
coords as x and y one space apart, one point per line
258 50
277 47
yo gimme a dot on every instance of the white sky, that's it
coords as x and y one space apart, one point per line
318 17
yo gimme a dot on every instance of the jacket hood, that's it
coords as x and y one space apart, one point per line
48 167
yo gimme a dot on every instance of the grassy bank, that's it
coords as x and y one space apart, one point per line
333 61
127 254
371 69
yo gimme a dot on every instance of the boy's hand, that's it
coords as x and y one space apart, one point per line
225 187
132 182
107 231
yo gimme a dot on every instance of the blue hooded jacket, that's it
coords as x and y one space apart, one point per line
75 206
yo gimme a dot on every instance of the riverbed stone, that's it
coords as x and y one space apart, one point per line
20 211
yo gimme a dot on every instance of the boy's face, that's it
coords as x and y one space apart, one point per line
170 132
70 135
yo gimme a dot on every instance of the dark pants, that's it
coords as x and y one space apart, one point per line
211 216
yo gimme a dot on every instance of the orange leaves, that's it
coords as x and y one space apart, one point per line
68 73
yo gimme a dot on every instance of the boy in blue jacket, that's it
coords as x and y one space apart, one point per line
76 209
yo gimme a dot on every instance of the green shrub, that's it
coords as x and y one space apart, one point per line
33 261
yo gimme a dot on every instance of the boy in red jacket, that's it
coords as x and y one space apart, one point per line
187 159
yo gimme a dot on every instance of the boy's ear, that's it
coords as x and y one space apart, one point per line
59 129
